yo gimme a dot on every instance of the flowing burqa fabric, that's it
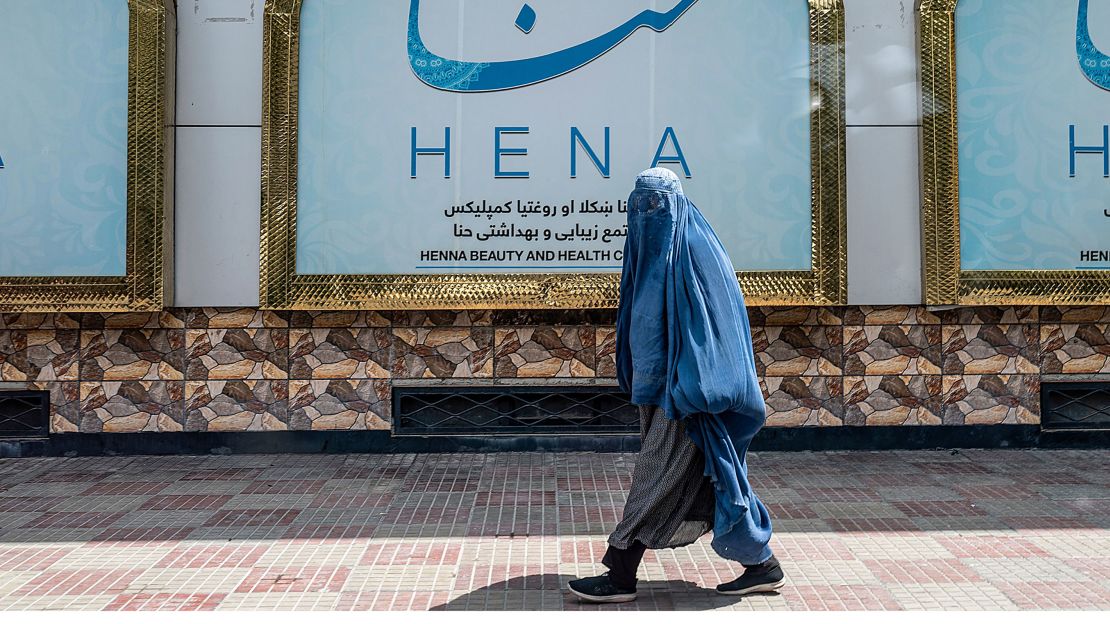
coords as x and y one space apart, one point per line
684 344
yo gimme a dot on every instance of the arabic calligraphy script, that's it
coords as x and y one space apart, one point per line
540 210
1095 63
468 76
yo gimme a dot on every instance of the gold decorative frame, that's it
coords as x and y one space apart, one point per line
150 114
282 288
945 282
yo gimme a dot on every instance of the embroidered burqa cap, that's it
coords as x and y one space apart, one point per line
684 344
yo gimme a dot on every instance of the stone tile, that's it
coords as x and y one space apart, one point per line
439 318
991 399
338 319
606 316
905 493
1083 348
165 601
65 405
892 350
241 405
606 341
889 315
444 353
130 354
172 318
1032 569
235 318
990 315
1068 595
1075 314
340 353
31 320
385 578
281 600
948 570
39 355
339 404
294 579
129 406
991 349
893 400
545 352
768 316
250 353
962 596
57 603
840 598
803 401
804 350
81 582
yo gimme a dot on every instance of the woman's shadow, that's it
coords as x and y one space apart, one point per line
548 592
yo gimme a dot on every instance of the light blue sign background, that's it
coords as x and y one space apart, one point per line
63 137
1020 88
731 77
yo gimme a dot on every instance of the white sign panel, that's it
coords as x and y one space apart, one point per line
465 136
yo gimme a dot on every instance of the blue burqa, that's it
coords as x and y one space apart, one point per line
684 344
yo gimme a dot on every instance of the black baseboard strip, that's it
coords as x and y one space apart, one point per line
770 439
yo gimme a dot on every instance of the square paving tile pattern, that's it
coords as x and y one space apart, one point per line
904 530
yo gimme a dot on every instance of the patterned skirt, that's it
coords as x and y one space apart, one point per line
671 502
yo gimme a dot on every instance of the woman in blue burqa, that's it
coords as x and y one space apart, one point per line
684 353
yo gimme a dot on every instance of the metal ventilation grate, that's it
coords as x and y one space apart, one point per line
24 414
503 410
1075 405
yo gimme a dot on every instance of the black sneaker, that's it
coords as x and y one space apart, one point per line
600 589
765 577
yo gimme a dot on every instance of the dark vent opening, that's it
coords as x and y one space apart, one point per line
1075 405
24 414
513 410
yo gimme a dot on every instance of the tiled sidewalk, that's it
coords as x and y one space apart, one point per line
884 530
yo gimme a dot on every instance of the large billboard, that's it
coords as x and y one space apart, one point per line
454 153
84 129
63 123
1017 151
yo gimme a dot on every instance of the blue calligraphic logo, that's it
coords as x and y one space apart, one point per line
471 77
1094 63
